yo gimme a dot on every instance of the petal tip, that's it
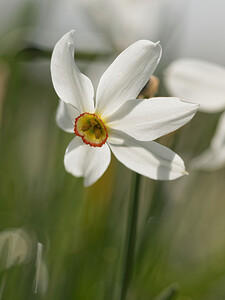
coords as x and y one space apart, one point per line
86 184
70 37
195 105
70 44
71 34
148 43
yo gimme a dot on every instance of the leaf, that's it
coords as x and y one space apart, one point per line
169 293
33 53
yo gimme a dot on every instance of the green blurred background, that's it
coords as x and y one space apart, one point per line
80 231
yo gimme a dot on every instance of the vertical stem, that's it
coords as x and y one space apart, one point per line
130 238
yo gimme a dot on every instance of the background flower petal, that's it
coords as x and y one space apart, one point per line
127 75
148 119
209 160
218 140
65 116
198 81
82 160
149 159
213 158
70 84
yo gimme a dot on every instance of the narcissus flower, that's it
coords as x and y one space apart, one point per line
197 80
213 158
115 119
203 82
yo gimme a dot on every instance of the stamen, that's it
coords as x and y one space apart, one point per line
86 127
97 132
93 123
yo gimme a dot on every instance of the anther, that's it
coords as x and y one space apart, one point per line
93 123
85 127
97 132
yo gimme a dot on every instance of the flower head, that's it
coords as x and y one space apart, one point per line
114 119
197 80
202 82
212 158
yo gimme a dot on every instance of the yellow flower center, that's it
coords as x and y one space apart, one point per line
91 129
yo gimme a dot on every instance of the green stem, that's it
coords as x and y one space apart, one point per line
130 239
32 53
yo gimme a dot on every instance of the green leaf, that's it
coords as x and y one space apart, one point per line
33 53
169 293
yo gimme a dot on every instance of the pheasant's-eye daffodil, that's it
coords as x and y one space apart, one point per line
115 120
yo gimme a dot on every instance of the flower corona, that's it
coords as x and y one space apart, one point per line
91 129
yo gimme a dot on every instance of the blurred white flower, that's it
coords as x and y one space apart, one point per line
204 83
136 19
116 120
213 158
97 30
53 18
15 247
198 81
93 20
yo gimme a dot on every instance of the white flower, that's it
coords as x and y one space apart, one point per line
213 158
197 80
15 247
53 18
134 19
204 83
116 120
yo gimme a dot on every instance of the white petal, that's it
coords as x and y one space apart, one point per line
82 160
149 159
209 160
127 75
213 158
115 137
197 81
70 84
218 140
65 116
148 119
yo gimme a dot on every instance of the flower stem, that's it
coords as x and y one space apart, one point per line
130 238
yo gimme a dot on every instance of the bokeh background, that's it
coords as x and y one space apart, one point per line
59 240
